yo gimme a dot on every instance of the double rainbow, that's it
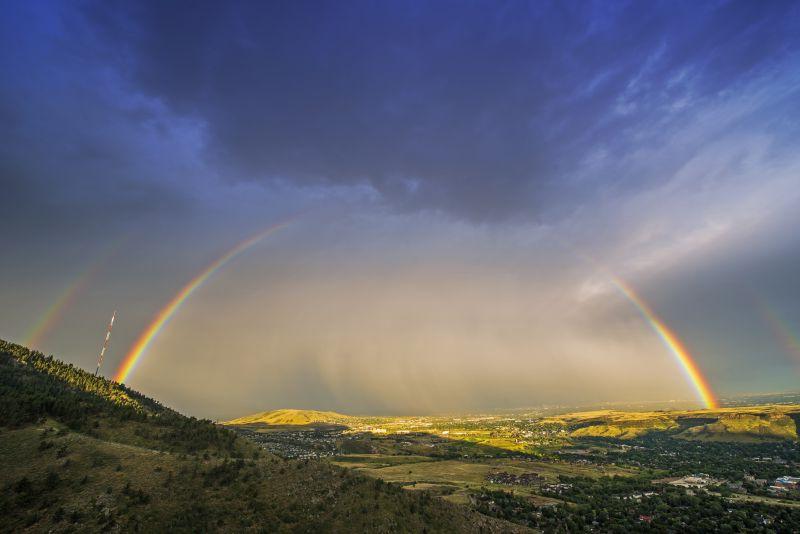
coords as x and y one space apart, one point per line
165 314
669 338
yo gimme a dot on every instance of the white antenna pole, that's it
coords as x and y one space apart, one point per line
105 342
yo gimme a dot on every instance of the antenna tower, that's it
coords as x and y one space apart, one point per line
105 342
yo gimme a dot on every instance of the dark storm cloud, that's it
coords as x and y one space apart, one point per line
75 146
478 109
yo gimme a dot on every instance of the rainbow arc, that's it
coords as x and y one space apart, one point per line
672 342
779 328
48 321
670 339
162 318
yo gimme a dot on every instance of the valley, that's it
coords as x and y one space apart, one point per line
549 469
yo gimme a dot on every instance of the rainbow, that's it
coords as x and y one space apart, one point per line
779 328
168 311
668 337
52 316
672 342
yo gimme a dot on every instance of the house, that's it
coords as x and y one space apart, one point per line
692 481
788 482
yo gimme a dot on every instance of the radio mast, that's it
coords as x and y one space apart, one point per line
105 342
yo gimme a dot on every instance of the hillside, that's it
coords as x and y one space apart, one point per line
750 423
745 426
772 422
83 454
290 417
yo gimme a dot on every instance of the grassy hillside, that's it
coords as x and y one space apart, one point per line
745 427
80 453
620 425
753 423
290 417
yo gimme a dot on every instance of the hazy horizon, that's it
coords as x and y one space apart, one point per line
745 400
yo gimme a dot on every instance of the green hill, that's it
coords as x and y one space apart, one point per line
745 427
80 453
290 417
752 423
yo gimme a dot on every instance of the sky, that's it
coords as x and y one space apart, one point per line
464 185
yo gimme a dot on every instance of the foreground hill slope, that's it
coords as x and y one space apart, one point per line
80 453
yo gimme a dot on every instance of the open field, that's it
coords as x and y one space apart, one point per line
455 478
464 472
772 501
375 461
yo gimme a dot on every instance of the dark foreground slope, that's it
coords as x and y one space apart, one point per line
80 453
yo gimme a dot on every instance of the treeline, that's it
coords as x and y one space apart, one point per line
34 387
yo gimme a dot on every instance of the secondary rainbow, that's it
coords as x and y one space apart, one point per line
52 316
779 327
168 311
672 342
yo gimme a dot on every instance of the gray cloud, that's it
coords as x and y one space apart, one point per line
473 109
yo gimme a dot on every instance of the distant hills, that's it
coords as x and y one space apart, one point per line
742 424
772 422
290 417
80 453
